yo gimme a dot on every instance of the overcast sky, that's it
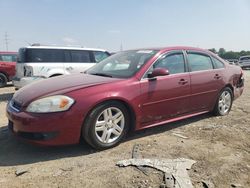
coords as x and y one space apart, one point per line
131 23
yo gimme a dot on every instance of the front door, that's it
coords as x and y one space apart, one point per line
166 96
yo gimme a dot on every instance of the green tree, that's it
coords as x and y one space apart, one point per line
213 50
221 52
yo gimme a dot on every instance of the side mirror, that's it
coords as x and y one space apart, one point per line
158 72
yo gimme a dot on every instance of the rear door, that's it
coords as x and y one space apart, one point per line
167 96
206 81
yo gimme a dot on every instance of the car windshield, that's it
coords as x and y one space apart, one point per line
123 64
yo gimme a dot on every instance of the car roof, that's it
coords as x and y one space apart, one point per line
174 48
64 48
8 52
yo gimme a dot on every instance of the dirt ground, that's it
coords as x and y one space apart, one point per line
219 145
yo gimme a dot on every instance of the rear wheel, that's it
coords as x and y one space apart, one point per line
224 102
3 80
106 125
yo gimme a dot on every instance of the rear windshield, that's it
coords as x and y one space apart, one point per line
55 55
8 57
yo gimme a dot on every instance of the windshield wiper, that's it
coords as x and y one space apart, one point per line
102 74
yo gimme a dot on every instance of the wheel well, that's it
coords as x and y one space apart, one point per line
231 87
55 75
129 108
5 74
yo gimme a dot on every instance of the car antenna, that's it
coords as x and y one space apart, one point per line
28 43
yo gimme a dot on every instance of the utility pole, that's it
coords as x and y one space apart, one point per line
121 47
6 41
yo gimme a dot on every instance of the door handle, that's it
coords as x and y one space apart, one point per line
217 76
183 82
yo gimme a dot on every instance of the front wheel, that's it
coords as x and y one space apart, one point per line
106 125
224 102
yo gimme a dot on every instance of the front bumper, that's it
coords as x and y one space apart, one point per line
21 82
49 129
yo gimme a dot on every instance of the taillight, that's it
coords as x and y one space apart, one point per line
241 79
241 72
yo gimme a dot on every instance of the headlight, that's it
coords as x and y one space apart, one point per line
57 103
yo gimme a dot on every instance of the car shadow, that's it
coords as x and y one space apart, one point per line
14 151
6 96
166 127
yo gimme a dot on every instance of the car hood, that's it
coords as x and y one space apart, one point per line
58 85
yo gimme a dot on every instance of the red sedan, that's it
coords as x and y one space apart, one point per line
7 67
130 90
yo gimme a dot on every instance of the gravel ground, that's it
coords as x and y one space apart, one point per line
220 145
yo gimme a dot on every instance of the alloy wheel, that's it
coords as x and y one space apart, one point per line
225 102
109 125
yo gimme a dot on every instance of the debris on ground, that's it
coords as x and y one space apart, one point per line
179 135
175 170
66 169
21 171
207 184
236 185
137 155
136 152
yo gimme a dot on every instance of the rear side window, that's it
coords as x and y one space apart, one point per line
199 62
218 64
99 56
80 56
174 63
44 55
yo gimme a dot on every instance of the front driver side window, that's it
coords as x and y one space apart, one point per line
174 63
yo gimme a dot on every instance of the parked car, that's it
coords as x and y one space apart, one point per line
130 90
232 61
244 61
7 67
39 62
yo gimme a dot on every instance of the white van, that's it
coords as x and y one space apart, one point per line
39 62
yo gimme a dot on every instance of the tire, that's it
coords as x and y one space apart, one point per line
106 125
3 80
224 102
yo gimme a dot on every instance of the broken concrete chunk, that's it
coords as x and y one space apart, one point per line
137 155
136 152
176 167
21 171
169 181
